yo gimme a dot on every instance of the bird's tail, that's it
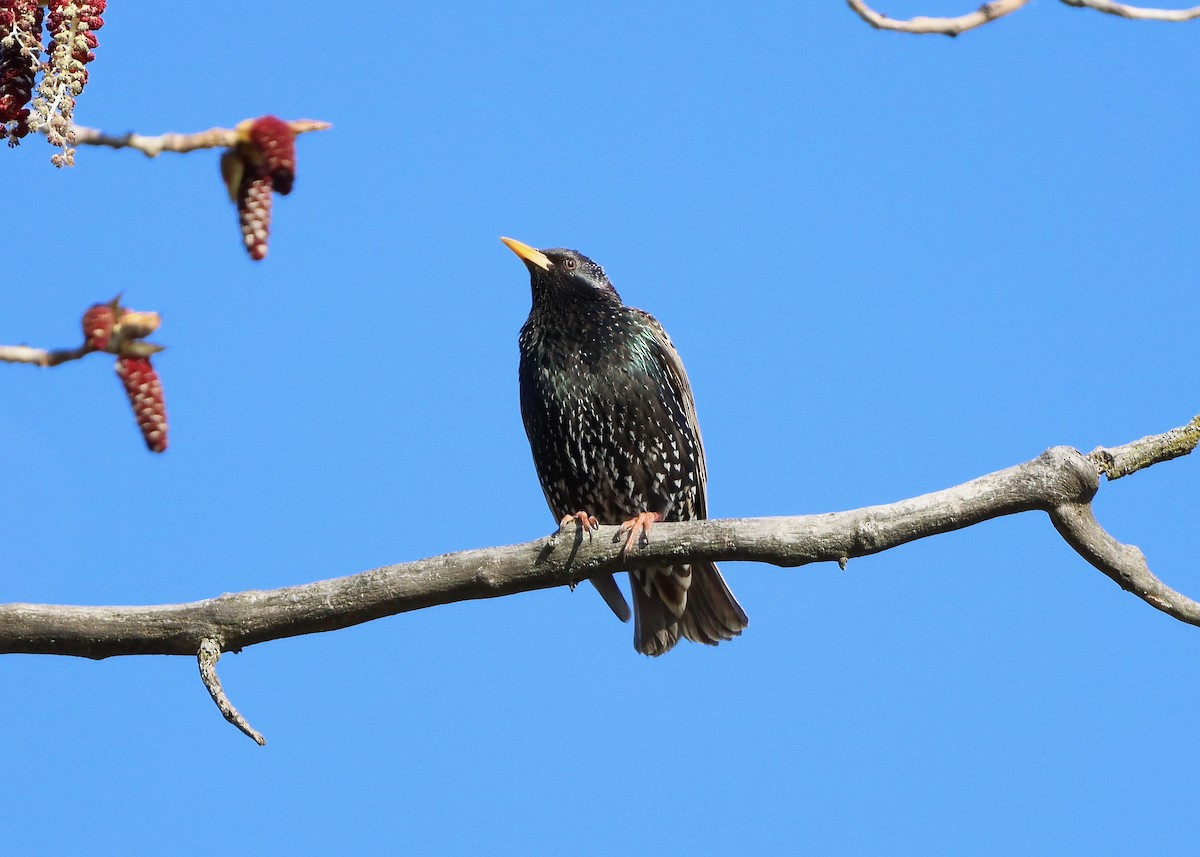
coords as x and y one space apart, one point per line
690 600
606 585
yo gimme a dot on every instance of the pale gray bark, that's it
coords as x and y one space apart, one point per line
988 12
1060 482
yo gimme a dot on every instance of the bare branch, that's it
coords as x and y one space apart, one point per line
1125 564
986 13
1128 458
989 12
1124 10
123 332
209 654
1060 482
40 356
213 138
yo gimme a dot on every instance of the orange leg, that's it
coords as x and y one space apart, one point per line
639 530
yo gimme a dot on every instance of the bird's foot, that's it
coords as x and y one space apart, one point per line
586 523
639 530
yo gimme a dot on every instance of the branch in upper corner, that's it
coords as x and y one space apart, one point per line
989 12
1139 13
985 14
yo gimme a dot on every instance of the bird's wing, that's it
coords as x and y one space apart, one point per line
669 360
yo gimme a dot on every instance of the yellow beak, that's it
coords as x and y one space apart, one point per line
527 253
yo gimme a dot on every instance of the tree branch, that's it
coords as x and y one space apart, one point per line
1060 482
40 356
213 138
1119 461
989 12
207 657
1053 482
108 328
985 14
1124 10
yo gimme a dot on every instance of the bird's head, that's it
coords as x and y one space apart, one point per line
563 274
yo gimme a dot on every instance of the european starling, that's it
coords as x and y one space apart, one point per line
612 425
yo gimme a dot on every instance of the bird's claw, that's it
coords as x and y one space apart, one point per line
586 522
638 528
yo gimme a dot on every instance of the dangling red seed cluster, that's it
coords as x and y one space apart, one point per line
64 15
263 161
122 331
254 213
144 389
98 326
70 25
274 139
20 49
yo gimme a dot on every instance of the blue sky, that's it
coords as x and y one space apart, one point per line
890 263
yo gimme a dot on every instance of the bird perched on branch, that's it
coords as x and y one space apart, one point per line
612 425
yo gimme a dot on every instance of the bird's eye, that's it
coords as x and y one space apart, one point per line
569 264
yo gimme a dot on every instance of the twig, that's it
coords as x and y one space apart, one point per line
1125 564
989 12
1119 461
986 13
1140 13
209 654
40 356
213 138
125 331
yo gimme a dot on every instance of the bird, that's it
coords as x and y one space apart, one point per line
611 422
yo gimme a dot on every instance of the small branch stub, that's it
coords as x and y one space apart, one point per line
209 654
